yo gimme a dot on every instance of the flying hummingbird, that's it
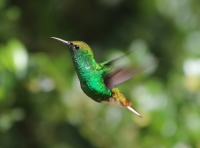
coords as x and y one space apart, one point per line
99 80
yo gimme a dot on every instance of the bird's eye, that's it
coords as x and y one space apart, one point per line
77 47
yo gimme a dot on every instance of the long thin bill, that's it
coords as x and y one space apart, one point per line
61 40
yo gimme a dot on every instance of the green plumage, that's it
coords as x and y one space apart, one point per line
90 74
98 80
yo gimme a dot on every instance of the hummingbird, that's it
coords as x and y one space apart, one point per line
99 80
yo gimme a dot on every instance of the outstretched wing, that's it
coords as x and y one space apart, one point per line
115 76
110 63
119 76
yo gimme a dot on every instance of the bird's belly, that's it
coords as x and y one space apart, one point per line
95 88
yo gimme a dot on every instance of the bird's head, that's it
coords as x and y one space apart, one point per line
76 46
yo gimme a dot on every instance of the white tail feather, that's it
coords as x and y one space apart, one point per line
134 111
112 101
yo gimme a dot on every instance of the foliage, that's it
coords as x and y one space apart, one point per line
41 103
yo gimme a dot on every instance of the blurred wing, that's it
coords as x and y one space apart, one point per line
109 63
115 76
119 76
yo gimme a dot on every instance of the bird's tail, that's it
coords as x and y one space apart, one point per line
118 99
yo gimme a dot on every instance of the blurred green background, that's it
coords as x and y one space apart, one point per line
41 103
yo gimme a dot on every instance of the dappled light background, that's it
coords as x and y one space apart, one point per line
41 102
